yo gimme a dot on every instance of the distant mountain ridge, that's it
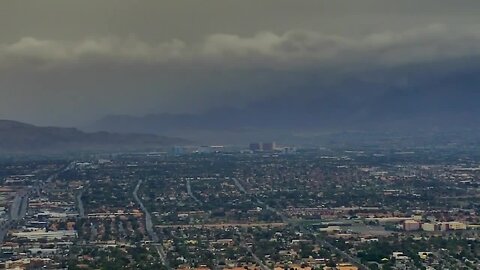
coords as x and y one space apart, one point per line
442 109
435 107
424 100
18 137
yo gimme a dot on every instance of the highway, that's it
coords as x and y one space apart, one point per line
149 227
19 207
4 226
81 210
18 210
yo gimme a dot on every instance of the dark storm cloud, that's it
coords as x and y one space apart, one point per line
72 62
291 49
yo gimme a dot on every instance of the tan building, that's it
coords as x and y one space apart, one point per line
346 266
411 225
430 227
455 225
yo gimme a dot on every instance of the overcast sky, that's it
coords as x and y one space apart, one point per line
71 62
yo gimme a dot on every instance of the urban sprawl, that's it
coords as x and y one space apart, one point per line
262 207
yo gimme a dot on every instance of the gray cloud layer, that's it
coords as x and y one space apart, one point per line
265 49
70 62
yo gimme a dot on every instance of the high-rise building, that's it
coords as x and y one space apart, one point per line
268 146
255 147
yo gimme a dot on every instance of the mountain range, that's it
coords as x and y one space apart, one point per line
17 137
410 111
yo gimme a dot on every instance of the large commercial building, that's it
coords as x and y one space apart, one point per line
411 225
255 146
268 146
265 146
43 234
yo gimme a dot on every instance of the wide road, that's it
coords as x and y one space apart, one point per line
81 210
18 209
223 225
149 227
239 185
4 226
15 206
190 193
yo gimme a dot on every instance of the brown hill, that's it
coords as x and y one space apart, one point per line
17 137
